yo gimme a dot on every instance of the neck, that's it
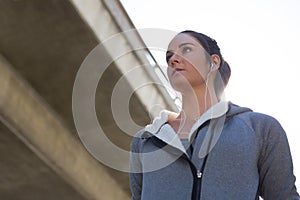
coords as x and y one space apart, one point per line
197 101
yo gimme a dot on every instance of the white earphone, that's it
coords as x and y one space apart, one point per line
211 66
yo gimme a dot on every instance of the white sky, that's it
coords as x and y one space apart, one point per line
258 38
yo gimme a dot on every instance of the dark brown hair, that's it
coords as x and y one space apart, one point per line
211 47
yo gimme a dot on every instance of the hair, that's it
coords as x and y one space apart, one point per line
211 47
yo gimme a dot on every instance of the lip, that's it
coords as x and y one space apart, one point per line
178 70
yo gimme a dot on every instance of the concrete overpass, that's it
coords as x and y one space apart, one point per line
42 45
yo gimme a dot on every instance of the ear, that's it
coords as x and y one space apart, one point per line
216 61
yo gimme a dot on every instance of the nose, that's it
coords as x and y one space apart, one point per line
175 58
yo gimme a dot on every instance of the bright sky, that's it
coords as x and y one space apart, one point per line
258 38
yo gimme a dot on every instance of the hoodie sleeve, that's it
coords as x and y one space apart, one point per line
135 175
277 180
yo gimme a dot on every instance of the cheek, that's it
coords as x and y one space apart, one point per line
169 71
201 66
198 68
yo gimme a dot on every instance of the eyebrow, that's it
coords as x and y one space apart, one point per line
186 43
179 46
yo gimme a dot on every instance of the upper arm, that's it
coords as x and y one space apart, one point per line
136 176
277 180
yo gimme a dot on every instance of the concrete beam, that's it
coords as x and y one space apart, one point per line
27 115
107 19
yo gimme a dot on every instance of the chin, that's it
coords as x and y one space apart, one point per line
181 86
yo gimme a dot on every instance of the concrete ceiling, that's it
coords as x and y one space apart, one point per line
24 176
46 42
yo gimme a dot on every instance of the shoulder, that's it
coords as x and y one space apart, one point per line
136 140
256 120
139 139
247 113
264 126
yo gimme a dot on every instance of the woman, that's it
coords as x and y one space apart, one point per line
212 149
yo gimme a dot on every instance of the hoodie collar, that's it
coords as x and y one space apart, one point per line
163 131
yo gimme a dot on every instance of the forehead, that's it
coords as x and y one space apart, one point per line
181 39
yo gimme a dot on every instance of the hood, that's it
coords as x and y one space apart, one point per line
163 131
234 109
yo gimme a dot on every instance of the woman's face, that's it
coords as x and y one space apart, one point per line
188 63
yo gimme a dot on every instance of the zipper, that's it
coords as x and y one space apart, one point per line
198 174
197 186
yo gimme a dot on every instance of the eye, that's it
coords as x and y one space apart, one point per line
168 56
186 49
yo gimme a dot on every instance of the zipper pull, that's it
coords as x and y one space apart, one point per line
199 174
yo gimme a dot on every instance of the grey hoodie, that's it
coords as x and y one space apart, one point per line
234 154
